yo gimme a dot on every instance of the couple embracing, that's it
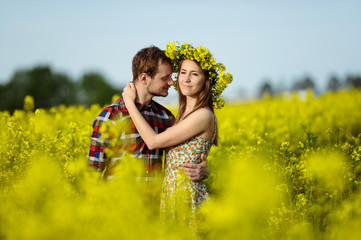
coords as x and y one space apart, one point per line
187 138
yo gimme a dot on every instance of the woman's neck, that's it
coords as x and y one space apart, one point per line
190 105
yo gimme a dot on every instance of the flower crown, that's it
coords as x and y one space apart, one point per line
217 71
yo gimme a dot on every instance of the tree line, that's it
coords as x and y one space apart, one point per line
50 88
334 84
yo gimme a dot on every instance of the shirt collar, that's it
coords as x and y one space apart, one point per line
151 104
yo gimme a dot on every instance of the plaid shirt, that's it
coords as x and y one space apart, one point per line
158 117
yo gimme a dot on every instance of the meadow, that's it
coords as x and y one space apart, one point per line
286 167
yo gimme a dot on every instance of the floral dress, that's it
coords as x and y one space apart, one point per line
181 197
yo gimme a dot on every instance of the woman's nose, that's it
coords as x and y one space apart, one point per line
188 78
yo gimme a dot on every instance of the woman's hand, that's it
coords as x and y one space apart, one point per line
129 92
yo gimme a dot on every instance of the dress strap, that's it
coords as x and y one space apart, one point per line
214 129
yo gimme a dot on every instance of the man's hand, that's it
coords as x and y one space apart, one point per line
197 172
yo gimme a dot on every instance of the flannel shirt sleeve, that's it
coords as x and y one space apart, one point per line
97 157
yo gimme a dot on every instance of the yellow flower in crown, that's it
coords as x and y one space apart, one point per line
216 71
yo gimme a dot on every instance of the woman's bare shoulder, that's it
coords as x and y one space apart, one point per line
203 113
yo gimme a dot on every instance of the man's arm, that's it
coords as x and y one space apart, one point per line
97 158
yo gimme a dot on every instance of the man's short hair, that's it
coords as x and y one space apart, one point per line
146 61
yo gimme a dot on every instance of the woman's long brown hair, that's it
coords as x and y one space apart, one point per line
204 100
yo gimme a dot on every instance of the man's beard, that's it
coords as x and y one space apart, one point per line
157 92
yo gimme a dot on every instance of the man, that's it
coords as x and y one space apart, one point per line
152 77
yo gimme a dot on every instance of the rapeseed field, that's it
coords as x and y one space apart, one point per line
285 168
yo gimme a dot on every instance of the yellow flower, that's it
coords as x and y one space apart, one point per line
29 103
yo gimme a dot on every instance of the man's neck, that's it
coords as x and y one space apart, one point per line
143 96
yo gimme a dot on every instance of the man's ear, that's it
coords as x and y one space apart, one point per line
143 78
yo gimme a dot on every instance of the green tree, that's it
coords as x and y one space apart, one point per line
266 87
48 89
95 89
353 81
304 84
333 84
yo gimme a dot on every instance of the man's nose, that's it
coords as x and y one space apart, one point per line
170 81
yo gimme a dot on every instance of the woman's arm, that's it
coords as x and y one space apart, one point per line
195 124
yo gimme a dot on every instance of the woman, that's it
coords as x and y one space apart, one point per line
194 130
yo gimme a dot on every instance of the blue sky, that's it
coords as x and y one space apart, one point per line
256 40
